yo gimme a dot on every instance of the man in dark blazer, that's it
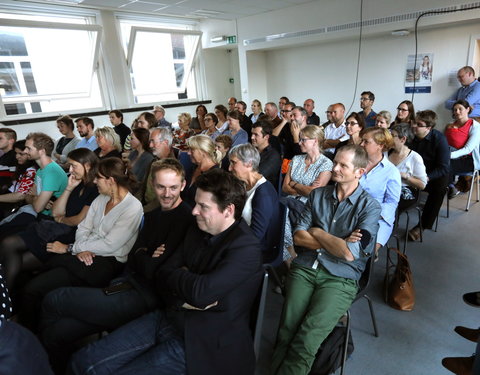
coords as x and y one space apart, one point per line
209 286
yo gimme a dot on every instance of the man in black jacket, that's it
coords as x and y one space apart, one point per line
209 285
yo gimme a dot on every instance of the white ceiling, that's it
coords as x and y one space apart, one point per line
216 9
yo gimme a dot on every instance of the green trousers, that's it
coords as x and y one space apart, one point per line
314 303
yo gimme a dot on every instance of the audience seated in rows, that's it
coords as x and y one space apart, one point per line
209 285
85 128
335 130
30 248
312 117
184 132
198 122
221 113
354 126
71 313
144 120
239 136
405 113
245 121
159 113
223 143
211 122
384 119
7 160
366 102
257 111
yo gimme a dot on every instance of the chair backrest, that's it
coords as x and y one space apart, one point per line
257 314
277 251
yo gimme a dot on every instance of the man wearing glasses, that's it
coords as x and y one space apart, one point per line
470 91
366 103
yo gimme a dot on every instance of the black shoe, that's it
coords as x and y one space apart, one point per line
472 299
452 192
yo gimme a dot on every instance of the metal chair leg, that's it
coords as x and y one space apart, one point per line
474 176
372 314
345 346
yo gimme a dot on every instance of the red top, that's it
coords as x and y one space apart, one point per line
457 137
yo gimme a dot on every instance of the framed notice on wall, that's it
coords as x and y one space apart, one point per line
418 76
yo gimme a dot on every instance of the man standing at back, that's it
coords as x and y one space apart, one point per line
85 128
209 284
470 91
322 282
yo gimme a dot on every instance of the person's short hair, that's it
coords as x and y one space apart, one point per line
143 136
185 116
302 110
86 121
117 113
150 118
360 119
370 94
428 117
213 116
225 140
222 108
204 143
119 170
468 69
109 134
165 134
85 156
266 125
284 98
243 104
360 157
9 133
236 115
464 104
403 130
168 163
272 104
67 120
159 108
381 136
314 132
256 101
41 141
386 115
225 188
247 154
234 99
292 104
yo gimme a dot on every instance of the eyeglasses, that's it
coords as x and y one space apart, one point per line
420 125
402 109
303 140
351 123
208 119
285 111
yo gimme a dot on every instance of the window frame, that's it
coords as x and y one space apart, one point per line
95 68
190 63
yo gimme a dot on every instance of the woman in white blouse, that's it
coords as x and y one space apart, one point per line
102 241
409 163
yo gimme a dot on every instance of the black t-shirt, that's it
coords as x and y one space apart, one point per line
80 197
8 163
5 303
123 131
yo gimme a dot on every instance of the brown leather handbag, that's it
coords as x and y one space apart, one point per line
400 293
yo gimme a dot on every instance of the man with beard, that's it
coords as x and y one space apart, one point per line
85 128
69 314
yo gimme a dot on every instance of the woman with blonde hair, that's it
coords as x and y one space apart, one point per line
257 111
305 173
381 179
108 143
384 118
204 156
181 135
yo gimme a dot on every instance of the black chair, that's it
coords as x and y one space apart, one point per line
277 250
258 313
406 210
363 284
448 210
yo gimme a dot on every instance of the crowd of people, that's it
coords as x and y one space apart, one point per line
156 233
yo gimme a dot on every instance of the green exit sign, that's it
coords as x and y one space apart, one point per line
231 39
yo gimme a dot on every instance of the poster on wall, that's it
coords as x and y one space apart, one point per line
421 78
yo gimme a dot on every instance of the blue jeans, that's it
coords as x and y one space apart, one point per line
21 352
147 345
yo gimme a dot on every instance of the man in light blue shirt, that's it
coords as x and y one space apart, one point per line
85 128
470 91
